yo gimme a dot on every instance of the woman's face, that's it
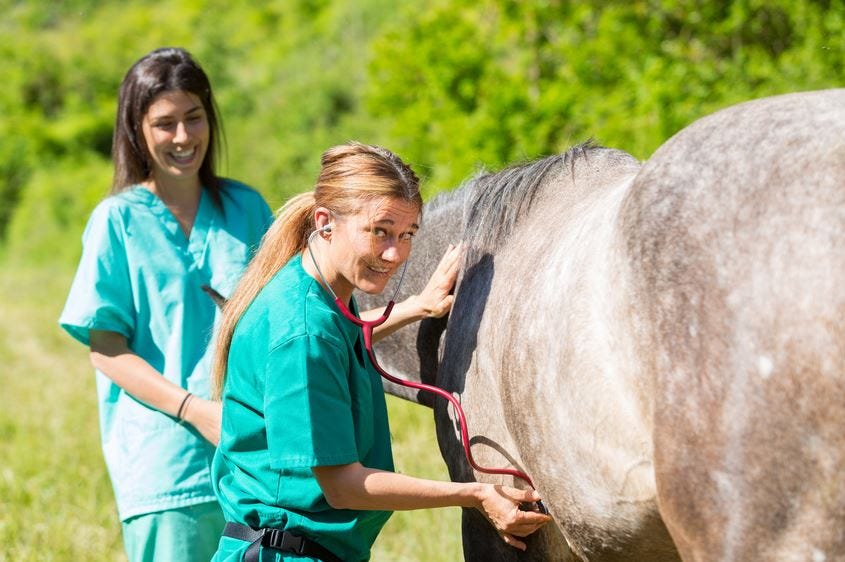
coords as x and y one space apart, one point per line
368 247
176 131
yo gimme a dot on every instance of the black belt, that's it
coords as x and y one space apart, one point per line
277 539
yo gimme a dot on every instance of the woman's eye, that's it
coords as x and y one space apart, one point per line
406 236
379 232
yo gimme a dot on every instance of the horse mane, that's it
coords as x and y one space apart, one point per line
446 199
497 201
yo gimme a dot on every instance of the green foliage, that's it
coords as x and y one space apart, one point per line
288 77
451 85
489 82
56 201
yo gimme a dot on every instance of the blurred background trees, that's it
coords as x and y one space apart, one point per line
451 85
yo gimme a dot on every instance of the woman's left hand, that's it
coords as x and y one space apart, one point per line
435 300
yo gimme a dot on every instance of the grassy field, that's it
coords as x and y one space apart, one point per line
55 497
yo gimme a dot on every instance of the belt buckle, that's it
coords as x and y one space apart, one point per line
292 543
284 541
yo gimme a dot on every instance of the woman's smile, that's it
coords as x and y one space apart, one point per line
383 270
183 157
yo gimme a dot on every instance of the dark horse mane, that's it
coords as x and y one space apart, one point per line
495 202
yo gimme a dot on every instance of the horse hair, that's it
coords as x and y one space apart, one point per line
498 200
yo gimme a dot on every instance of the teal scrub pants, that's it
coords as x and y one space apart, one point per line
187 534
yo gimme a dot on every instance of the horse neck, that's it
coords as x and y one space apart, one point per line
559 191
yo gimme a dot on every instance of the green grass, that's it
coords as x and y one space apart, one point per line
56 501
432 534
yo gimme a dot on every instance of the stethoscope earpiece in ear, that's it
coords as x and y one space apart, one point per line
327 228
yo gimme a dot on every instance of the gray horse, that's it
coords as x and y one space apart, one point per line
660 347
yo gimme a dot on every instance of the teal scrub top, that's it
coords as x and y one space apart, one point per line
299 393
141 277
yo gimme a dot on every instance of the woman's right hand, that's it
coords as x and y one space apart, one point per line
205 416
501 506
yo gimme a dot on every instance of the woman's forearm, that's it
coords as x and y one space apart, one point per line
404 313
354 486
111 355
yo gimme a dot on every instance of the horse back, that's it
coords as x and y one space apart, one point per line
735 233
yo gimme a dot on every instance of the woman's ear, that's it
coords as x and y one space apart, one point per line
323 220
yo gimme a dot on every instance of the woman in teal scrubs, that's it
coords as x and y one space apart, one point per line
304 469
170 227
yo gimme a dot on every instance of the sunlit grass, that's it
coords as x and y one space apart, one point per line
55 498
56 501
418 535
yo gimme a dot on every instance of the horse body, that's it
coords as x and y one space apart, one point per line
660 348
736 243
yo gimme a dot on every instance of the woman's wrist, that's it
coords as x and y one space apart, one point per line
474 495
183 406
415 309
193 411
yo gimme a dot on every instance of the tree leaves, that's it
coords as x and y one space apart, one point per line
450 85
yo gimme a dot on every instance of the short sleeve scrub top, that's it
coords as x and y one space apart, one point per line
141 277
299 393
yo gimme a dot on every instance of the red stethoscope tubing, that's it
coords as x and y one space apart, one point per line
367 327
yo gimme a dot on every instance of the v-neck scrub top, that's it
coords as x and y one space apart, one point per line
141 277
299 393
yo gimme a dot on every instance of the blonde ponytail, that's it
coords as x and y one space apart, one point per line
286 237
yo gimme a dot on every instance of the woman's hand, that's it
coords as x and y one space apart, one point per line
205 416
435 300
500 505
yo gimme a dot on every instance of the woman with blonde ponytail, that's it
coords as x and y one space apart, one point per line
304 469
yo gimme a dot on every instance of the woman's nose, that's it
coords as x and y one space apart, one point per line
392 254
181 133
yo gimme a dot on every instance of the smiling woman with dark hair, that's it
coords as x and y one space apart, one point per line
170 227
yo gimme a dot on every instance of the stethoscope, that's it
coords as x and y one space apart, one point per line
367 327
